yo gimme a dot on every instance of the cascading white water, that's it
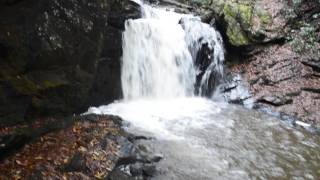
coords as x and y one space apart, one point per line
156 61
200 138
159 54
159 72
197 35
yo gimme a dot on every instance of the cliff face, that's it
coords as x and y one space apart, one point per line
274 45
59 56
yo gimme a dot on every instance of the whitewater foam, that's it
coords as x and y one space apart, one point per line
164 118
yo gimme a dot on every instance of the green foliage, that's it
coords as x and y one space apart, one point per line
291 10
303 36
304 39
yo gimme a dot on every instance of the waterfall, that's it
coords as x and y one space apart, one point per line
161 55
171 59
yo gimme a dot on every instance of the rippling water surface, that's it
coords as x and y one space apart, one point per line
202 139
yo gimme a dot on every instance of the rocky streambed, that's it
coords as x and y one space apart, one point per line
86 147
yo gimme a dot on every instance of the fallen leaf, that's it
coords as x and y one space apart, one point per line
108 168
20 163
17 176
82 149
38 158
65 160
99 175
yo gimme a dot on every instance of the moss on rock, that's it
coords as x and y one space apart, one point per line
238 17
246 22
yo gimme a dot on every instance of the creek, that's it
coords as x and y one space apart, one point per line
200 138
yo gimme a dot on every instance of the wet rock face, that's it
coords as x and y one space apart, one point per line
203 61
136 160
54 54
275 100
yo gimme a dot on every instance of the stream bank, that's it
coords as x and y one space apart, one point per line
84 147
272 48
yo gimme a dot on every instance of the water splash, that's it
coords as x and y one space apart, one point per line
164 118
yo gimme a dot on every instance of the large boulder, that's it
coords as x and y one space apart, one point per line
245 22
55 54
